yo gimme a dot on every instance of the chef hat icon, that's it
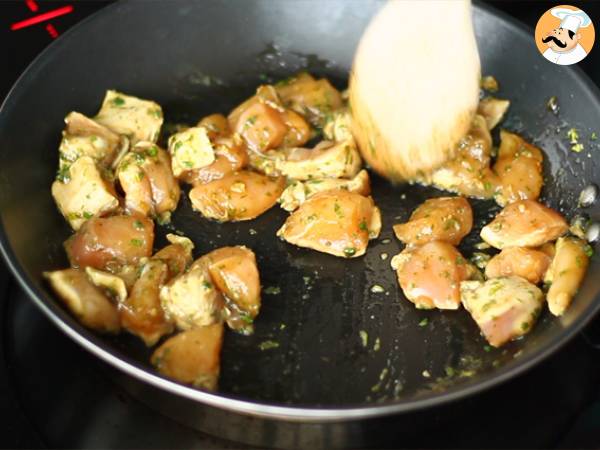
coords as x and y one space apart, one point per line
571 19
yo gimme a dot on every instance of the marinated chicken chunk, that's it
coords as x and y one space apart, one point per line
237 196
91 307
314 99
526 263
192 357
113 285
216 126
504 308
566 273
447 219
230 156
191 299
299 191
190 150
234 272
339 126
177 255
142 313
430 275
85 137
146 178
139 120
265 124
326 160
519 168
109 242
83 193
337 222
469 173
524 223
493 110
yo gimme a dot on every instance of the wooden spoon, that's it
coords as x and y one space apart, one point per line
414 86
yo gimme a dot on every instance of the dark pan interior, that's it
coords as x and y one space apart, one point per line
196 58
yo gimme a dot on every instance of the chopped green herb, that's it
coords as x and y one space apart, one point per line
87 215
246 318
424 322
137 242
364 337
577 148
187 164
64 175
177 145
573 136
449 371
377 289
525 326
153 151
589 251
138 225
118 101
338 209
272 290
349 251
363 225
206 284
268 345
593 136
487 348
377 345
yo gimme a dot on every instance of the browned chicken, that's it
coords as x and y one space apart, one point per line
192 357
524 223
519 167
87 302
447 219
566 273
237 196
430 275
216 125
504 308
109 242
337 222
522 262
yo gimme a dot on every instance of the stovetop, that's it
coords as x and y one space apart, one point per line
54 394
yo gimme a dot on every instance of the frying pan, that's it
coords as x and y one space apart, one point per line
196 58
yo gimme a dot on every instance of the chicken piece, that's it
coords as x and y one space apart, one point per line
469 173
230 156
138 119
192 357
141 313
177 256
493 110
338 127
237 196
190 150
146 178
191 299
519 167
566 273
107 243
298 130
430 275
267 163
526 263
314 99
337 222
326 160
87 303
216 126
524 223
234 272
84 193
299 191
85 137
112 284
504 308
260 121
447 219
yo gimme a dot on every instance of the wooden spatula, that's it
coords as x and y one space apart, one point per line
414 86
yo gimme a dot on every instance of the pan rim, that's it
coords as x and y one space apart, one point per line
132 367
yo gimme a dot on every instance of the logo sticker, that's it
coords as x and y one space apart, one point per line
564 35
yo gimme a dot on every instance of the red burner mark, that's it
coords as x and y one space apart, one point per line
32 5
42 17
51 31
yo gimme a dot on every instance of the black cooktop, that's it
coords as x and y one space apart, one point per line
54 394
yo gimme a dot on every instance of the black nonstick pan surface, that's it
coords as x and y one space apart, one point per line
196 58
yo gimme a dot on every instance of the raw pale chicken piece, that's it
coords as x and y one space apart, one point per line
566 273
447 219
337 222
430 275
522 262
519 168
177 255
493 110
110 242
524 223
190 149
91 307
504 308
237 196
192 357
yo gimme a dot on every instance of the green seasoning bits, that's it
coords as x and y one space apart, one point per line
349 251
